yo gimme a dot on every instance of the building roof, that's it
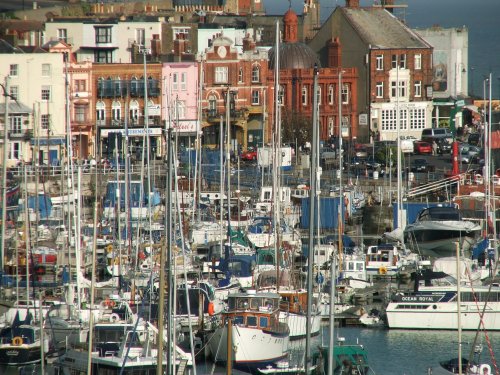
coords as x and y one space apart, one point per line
294 56
381 29
16 107
6 47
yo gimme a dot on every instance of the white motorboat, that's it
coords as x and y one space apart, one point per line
436 229
435 307
259 337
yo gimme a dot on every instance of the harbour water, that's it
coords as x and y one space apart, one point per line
390 352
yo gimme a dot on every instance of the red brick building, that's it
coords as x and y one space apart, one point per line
119 101
244 76
297 63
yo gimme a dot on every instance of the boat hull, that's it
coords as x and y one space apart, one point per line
252 347
19 355
442 316
298 322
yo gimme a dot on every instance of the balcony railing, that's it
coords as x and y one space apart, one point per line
21 133
213 115
123 88
140 122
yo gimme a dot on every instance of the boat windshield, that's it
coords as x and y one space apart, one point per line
440 214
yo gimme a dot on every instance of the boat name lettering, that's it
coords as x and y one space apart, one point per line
420 298
12 353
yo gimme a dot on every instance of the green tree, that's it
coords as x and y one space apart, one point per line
295 127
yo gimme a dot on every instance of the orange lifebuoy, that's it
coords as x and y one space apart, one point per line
16 341
211 308
109 303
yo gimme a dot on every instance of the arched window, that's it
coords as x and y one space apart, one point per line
100 112
304 95
134 111
255 73
319 94
281 95
240 75
117 87
212 104
116 111
330 94
134 86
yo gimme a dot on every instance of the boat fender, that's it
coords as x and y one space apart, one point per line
485 369
382 270
109 303
17 341
113 318
40 270
211 309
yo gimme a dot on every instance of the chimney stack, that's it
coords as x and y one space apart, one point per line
248 43
352 3
334 53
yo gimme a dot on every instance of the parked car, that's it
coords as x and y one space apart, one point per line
444 146
422 148
372 163
249 155
474 139
354 162
419 165
360 151
464 156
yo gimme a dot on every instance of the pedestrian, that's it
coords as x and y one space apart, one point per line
434 148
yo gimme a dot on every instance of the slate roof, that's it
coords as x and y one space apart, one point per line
381 29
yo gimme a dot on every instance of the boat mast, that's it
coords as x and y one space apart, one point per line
312 199
277 158
331 341
459 309
4 174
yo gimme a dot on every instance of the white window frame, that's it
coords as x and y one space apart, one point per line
80 113
417 118
175 81
418 61
379 62
46 93
418 89
379 89
281 95
331 94
181 109
403 119
134 112
183 81
180 30
394 61
304 95
62 34
240 75
140 36
45 121
100 111
388 119
15 150
46 70
402 61
212 102
221 74
345 93
14 70
116 111
16 124
255 97
14 92
318 93
255 74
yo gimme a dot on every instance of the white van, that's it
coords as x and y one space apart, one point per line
407 146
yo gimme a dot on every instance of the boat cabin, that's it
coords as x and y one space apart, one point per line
382 260
255 310
440 213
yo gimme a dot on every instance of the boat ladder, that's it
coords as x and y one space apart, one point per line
435 186
182 367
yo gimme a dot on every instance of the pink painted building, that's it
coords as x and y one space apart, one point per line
180 99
